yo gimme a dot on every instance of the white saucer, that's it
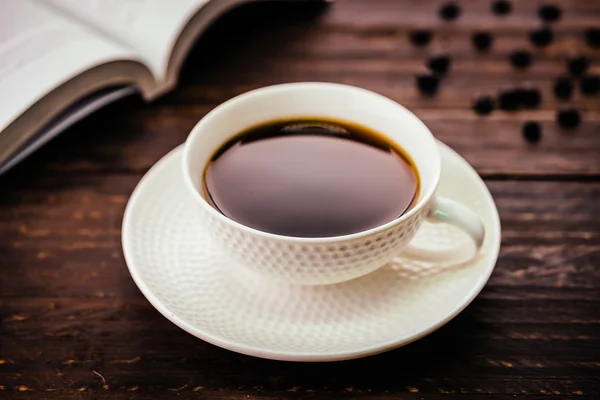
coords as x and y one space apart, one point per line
196 287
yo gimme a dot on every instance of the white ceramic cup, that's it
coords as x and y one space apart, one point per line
331 259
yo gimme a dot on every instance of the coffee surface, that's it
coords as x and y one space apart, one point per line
310 178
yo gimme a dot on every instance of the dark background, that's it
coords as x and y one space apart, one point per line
74 325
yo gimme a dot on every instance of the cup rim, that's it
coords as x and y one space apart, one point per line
247 96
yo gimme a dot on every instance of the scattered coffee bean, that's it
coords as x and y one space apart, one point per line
508 99
541 37
482 40
420 38
592 37
529 96
532 131
589 85
484 105
440 64
549 13
563 87
520 59
568 117
450 11
427 83
501 7
578 65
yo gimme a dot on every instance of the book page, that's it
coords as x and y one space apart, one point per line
40 50
151 27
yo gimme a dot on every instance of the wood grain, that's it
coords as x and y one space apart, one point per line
110 142
69 308
345 43
74 325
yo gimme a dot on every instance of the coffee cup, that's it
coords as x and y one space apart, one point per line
323 260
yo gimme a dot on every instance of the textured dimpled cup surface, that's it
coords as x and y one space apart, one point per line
315 261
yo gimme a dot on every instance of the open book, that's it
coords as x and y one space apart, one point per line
62 59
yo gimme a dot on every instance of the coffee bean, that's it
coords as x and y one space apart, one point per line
577 65
529 96
440 64
563 87
589 85
482 40
420 38
568 117
508 99
427 83
501 7
592 37
450 11
484 105
541 37
532 131
549 13
520 59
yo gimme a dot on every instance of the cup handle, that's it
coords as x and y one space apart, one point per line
451 212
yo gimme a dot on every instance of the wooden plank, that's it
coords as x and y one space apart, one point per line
111 141
347 44
69 308
551 231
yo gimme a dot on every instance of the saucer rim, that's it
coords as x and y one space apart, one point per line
294 356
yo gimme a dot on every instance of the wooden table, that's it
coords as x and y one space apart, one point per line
74 325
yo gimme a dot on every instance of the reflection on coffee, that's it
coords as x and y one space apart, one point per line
310 178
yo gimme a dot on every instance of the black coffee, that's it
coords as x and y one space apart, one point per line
310 178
